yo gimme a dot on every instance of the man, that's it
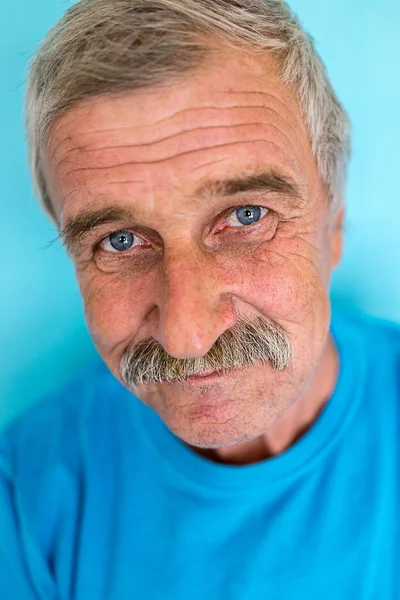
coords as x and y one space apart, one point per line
193 155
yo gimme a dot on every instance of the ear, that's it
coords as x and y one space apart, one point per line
337 226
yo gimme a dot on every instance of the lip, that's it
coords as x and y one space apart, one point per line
211 376
206 374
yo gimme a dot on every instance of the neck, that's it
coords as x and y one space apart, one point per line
296 420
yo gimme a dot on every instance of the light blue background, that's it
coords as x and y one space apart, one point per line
43 336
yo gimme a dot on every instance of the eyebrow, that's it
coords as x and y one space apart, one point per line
78 226
266 181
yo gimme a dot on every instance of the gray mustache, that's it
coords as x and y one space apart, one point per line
244 344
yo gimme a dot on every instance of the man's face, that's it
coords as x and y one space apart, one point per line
177 257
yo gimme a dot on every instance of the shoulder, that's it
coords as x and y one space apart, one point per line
45 453
372 331
54 429
374 342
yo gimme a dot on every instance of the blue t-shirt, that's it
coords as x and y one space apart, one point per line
100 501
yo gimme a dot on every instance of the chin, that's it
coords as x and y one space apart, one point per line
213 427
212 439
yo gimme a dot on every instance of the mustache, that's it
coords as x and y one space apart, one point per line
244 344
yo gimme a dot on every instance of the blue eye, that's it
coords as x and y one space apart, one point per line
246 215
120 241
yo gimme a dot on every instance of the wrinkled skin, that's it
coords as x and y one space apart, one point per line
193 274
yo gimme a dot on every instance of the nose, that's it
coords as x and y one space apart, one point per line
193 309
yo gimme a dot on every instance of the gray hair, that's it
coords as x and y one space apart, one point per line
103 47
245 344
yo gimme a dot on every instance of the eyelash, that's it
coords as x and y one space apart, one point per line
241 230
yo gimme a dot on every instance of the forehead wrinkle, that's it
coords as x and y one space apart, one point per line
63 121
211 146
87 149
179 155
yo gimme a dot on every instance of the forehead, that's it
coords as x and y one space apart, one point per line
232 114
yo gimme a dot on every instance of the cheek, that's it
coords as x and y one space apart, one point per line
284 276
114 308
283 280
